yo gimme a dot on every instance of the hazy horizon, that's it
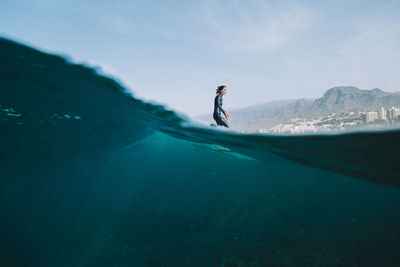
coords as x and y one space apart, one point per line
177 53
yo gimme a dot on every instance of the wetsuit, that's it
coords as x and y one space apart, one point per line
217 111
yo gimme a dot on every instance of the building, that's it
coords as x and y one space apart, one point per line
370 116
383 114
394 112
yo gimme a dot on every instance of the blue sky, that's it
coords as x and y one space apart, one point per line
177 52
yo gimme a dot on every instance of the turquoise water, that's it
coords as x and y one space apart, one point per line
91 176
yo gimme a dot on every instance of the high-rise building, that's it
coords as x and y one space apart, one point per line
369 116
394 112
383 114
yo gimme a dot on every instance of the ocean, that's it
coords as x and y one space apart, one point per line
91 175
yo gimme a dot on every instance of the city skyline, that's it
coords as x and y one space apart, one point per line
381 117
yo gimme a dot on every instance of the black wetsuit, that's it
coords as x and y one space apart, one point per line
217 111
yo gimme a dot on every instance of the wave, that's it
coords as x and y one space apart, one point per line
40 88
69 133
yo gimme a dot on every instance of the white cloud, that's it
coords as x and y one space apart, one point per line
238 25
371 57
256 26
375 34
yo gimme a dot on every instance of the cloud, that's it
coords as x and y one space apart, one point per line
234 25
372 55
377 33
256 26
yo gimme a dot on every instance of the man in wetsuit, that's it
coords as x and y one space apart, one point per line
218 107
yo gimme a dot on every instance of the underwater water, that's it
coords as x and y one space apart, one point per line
92 176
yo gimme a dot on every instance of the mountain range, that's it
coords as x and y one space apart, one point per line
335 100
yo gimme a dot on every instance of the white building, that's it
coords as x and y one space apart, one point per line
383 114
394 112
369 116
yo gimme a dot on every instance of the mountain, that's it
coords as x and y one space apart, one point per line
348 98
335 100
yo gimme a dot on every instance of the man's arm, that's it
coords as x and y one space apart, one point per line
220 104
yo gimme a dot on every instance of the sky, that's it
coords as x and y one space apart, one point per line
177 52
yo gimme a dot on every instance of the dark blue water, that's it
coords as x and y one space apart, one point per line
91 176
